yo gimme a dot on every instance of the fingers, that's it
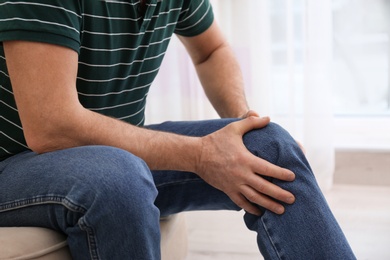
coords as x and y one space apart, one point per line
262 200
260 186
249 198
243 203
301 146
268 169
259 191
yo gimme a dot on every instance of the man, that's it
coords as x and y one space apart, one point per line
76 157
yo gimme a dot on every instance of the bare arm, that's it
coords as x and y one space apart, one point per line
43 77
218 71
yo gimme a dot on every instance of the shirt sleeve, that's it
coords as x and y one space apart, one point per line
195 18
51 21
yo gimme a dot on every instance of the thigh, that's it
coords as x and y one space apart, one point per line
55 189
101 197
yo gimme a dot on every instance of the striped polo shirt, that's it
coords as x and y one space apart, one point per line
120 49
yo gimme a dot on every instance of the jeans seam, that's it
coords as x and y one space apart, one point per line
270 237
165 184
92 244
57 200
41 200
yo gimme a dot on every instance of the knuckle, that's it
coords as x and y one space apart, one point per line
252 197
262 186
267 171
240 203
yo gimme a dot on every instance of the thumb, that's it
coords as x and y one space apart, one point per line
250 113
252 122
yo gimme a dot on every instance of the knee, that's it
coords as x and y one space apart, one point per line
272 143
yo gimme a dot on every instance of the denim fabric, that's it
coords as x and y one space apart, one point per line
108 202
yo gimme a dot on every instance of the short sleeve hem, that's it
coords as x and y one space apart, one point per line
199 26
43 37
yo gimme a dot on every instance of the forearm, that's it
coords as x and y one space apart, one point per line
222 80
159 150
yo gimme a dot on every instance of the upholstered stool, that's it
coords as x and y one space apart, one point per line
21 243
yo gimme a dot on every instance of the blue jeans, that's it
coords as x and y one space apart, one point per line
108 202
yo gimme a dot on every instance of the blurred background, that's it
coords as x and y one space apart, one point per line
321 69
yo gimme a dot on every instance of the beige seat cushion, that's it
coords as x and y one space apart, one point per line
174 238
32 243
19 243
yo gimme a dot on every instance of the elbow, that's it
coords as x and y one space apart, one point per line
204 57
50 136
41 142
63 128
49 132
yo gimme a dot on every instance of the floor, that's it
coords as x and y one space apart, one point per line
362 211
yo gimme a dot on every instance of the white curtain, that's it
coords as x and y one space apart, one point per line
285 51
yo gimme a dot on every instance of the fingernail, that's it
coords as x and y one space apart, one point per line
291 175
279 210
290 200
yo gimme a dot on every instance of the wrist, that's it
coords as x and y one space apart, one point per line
198 152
